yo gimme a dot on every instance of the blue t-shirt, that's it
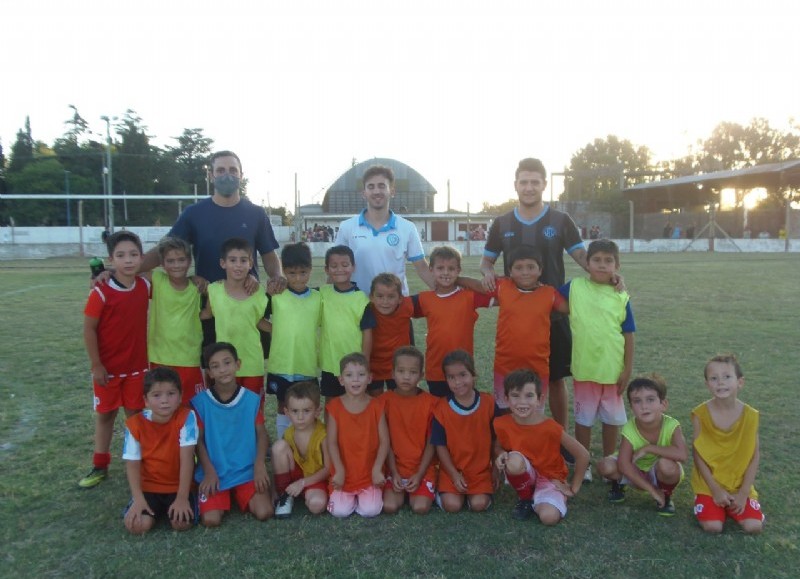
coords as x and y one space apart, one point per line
206 226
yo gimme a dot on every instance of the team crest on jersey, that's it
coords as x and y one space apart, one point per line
508 234
393 239
549 232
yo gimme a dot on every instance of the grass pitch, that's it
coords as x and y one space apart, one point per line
687 306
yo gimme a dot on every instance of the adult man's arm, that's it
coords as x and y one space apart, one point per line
579 255
272 265
424 272
487 271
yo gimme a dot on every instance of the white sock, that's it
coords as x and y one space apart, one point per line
282 422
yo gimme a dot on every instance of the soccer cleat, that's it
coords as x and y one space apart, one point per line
94 478
522 510
283 510
668 510
617 492
587 476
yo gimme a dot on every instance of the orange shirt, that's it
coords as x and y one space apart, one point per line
409 419
451 325
160 450
358 442
469 440
523 328
539 443
390 332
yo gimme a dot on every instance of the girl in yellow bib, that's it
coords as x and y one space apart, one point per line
726 452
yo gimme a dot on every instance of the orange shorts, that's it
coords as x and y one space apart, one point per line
221 500
191 380
126 391
705 509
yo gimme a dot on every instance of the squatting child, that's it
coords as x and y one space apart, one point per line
159 453
602 326
300 459
295 316
175 335
462 434
393 313
652 448
347 320
238 315
726 452
451 314
528 451
115 334
358 442
409 414
232 442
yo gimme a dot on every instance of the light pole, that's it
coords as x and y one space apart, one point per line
109 187
66 192
208 187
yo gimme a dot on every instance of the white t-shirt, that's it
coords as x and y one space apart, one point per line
378 251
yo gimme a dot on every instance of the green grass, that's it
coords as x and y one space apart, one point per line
688 307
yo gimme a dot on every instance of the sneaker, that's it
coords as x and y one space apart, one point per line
617 492
94 478
522 510
587 476
283 509
567 456
668 510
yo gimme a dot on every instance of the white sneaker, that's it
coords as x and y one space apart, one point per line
587 476
283 510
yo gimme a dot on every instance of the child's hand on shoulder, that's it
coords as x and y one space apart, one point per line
200 283
100 375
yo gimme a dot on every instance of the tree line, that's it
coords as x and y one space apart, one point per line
599 171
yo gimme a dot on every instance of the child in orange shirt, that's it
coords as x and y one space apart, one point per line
409 412
358 442
451 315
462 434
528 450
393 314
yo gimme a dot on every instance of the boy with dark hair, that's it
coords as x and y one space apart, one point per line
528 450
602 324
451 315
652 448
232 442
295 316
238 315
175 334
115 334
347 320
393 329
159 453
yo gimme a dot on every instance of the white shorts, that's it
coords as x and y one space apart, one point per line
593 400
544 491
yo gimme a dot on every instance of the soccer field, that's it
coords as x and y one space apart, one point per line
687 307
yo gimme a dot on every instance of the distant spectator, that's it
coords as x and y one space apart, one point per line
676 232
667 230
690 231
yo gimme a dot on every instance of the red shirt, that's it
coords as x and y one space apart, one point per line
409 419
122 326
539 443
390 332
451 325
358 442
523 327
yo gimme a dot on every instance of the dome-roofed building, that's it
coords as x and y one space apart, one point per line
413 193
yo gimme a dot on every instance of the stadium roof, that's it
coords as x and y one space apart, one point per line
693 190
352 179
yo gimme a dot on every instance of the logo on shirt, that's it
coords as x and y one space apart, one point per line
244 225
508 234
393 239
549 232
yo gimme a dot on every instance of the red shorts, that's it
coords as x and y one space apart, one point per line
191 380
252 383
426 488
221 501
297 474
705 509
126 391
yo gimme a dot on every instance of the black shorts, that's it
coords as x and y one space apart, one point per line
560 348
329 385
438 388
278 386
160 503
381 385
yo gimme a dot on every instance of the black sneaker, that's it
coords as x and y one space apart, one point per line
668 510
617 492
522 510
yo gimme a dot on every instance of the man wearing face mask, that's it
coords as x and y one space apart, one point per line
210 222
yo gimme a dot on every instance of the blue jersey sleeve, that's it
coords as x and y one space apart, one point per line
564 290
438 434
628 324
368 320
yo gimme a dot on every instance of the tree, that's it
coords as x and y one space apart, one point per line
504 207
597 172
192 154
41 176
22 149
